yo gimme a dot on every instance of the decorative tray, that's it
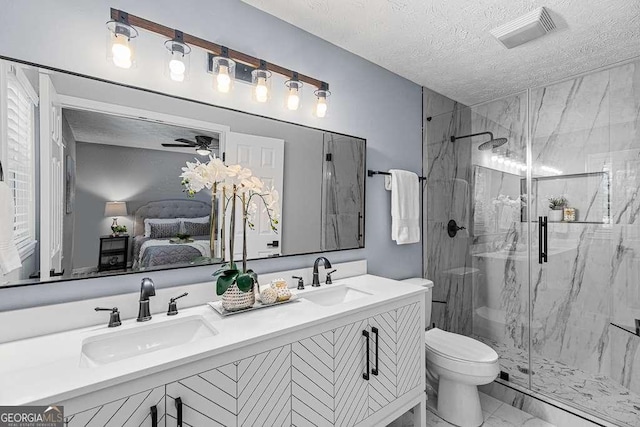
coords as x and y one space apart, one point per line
217 306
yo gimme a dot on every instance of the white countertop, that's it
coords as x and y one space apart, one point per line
47 369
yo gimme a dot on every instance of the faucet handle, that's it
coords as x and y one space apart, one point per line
300 282
328 281
114 317
173 306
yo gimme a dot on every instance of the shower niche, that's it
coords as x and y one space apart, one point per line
587 194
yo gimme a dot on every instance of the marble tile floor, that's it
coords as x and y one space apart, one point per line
596 394
496 414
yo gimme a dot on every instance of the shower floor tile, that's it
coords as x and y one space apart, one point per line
595 394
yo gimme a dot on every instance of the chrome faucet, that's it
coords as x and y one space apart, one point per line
316 280
147 289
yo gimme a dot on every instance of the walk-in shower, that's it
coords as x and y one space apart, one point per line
563 326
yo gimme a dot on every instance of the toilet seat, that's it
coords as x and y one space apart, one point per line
458 347
460 354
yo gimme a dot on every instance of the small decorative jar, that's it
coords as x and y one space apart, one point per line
569 214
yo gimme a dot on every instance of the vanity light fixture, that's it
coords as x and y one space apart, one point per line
121 41
226 64
321 104
178 57
295 91
224 68
261 78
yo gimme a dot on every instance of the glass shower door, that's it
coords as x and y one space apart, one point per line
571 251
500 242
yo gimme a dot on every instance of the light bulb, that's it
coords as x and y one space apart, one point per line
177 66
121 51
223 79
262 91
176 77
494 158
293 100
500 159
321 107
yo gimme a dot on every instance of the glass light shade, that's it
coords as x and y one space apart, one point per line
114 209
294 94
261 85
177 64
224 70
203 151
321 102
121 44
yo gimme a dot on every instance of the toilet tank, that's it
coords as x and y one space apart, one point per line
427 303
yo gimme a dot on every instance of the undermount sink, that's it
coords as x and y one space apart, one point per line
334 295
143 339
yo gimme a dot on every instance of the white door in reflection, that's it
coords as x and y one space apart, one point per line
265 157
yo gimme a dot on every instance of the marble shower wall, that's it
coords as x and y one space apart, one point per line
446 196
592 279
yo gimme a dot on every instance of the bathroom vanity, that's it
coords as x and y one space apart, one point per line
350 353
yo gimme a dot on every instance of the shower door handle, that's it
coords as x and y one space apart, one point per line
545 252
542 239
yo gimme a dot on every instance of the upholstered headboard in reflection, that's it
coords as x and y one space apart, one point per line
169 209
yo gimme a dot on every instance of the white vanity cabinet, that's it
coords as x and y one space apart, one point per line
146 408
331 384
253 391
323 377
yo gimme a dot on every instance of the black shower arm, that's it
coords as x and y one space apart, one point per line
453 138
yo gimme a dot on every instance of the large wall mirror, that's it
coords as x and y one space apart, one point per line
81 156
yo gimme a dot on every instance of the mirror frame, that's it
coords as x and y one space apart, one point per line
60 279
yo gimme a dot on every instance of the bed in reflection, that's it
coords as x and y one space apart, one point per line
156 223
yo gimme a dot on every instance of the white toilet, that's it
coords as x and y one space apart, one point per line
460 364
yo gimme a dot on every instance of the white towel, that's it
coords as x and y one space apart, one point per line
9 257
405 206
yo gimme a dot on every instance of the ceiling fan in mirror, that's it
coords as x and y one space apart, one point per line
202 144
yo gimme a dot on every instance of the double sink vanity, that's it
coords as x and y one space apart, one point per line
348 353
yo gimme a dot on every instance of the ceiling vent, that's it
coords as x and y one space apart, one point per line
528 27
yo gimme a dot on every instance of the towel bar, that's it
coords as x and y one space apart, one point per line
371 173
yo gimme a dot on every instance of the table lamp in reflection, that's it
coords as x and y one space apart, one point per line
114 210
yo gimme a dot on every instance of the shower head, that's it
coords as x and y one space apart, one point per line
489 145
492 143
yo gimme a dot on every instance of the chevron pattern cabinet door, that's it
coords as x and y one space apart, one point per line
264 389
132 411
409 348
208 399
312 381
351 390
383 387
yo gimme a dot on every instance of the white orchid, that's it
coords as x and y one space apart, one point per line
198 176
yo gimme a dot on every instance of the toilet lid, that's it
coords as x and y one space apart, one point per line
459 347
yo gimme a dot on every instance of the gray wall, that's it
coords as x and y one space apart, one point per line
368 101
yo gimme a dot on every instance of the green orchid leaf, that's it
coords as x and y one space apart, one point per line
245 282
223 282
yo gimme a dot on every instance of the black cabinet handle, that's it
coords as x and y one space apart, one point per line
365 333
179 411
374 371
154 416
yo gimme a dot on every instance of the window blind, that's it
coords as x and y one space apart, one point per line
19 173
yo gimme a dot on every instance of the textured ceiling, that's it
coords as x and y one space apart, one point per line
99 128
445 45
